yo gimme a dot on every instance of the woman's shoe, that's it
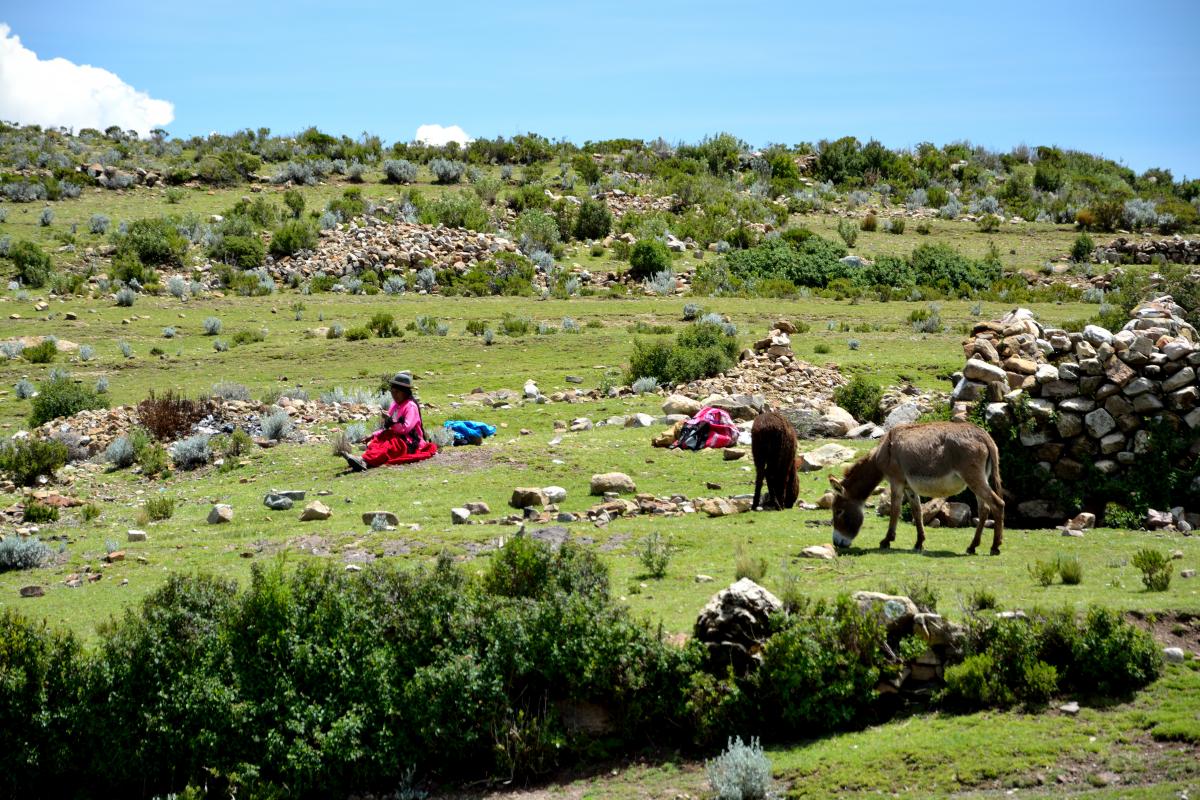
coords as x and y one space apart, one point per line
356 463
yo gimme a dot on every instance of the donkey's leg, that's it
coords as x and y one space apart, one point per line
914 500
997 505
983 508
758 482
896 493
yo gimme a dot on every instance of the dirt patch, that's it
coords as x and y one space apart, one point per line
467 458
1171 628
399 547
310 544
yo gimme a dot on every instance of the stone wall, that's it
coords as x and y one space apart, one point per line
1175 250
1088 397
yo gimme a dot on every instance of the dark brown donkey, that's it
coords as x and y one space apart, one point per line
773 445
938 459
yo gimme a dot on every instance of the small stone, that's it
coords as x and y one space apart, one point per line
704 579
295 495
316 510
718 507
527 497
220 514
459 516
135 535
1173 655
116 555
734 453
368 517
478 507
277 502
1187 573
554 494
32 591
821 551
1070 709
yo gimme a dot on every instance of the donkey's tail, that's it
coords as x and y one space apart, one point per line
994 457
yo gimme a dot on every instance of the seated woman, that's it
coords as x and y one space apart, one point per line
401 439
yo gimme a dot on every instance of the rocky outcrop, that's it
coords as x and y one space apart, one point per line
734 625
1175 250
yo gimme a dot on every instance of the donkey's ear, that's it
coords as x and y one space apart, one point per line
837 485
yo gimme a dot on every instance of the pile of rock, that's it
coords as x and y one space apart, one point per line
1175 250
771 376
901 618
620 202
1085 398
399 245
111 177
735 624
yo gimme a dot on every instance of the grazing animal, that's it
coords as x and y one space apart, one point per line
773 445
937 459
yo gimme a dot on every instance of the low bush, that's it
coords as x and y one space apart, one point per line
41 353
399 171
33 264
120 453
870 223
192 452
655 554
248 337
1155 567
157 507
384 325
700 350
291 237
244 252
748 565
36 512
861 398
648 258
1082 249
23 460
276 425
154 241
19 552
447 171
988 223
169 415
848 232
61 396
594 220
741 772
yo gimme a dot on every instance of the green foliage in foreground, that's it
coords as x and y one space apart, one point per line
328 682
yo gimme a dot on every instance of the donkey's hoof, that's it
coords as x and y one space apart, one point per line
995 551
885 544
970 551
918 548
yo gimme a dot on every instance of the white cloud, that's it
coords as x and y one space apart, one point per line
440 136
58 93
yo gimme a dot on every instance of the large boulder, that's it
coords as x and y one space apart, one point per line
617 482
735 623
527 497
895 612
827 455
679 404
836 422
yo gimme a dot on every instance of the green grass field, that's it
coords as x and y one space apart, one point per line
980 755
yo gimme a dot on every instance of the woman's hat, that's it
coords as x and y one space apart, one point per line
402 380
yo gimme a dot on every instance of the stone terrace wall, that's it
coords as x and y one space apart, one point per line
1090 395
1175 250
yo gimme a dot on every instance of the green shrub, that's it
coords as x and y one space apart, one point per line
939 265
228 167
1083 248
594 220
848 231
126 267
156 508
746 565
476 327
988 223
648 258
870 223
291 237
530 568
41 353
701 349
861 398
60 396
23 460
384 325
33 264
1070 570
37 512
1110 657
155 241
819 673
1044 572
1155 567
248 337
512 325
245 252
896 225
655 554
89 512
820 348
358 334
814 262
294 200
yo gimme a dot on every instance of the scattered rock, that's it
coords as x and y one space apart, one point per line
821 551
134 535
554 494
734 453
32 591
116 555
704 579
459 516
527 497
220 514
734 624
478 507
617 482
277 502
679 404
316 510
826 455
1173 655
368 517
895 611
718 507
1070 709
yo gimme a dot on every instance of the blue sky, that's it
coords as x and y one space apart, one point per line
1119 79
